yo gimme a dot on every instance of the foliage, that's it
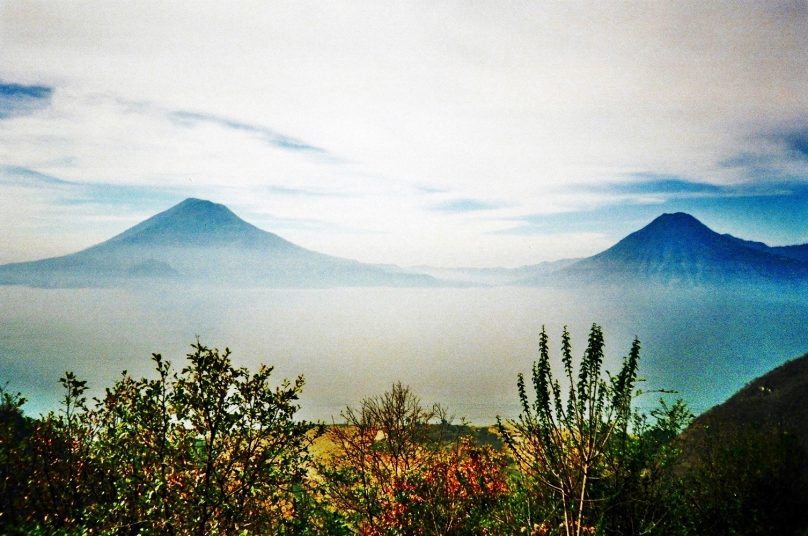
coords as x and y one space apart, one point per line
742 480
397 472
15 433
216 449
587 461
62 477
212 449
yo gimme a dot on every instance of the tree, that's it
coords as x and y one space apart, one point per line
400 468
212 449
569 448
15 433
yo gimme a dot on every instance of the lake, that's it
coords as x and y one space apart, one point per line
461 347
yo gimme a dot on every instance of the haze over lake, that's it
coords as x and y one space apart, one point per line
461 347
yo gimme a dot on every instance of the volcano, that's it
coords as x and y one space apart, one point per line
198 241
679 249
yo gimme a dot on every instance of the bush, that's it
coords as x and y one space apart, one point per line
586 461
400 468
15 454
741 479
216 449
212 449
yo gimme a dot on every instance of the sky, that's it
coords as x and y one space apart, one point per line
443 133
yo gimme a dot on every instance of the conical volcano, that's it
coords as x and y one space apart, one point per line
201 242
678 248
198 222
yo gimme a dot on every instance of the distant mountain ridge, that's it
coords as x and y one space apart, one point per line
205 242
199 241
494 276
679 249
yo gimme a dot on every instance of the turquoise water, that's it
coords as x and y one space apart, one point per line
459 347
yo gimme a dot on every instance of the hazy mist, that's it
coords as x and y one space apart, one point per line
460 347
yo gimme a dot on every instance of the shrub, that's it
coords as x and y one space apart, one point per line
400 468
586 461
212 449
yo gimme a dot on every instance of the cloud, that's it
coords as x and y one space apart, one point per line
268 135
19 99
102 138
650 183
300 192
776 156
21 176
464 205
797 142
391 120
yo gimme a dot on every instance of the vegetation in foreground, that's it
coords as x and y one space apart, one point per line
216 449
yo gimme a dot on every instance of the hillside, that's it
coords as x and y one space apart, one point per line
744 463
778 399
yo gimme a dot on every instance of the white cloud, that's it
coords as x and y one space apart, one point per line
482 101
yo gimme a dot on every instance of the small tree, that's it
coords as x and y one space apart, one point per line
400 468
380 443
212 449
263 451
15 432
562 443
63 481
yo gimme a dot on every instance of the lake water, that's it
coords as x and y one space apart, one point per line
460 347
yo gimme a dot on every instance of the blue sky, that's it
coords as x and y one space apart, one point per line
442 133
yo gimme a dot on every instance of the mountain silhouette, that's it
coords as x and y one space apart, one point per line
678 248
200 223
200 241
798 252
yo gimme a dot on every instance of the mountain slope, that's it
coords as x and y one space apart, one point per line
779 398
798 252
202 242
745 462
678 248
201 223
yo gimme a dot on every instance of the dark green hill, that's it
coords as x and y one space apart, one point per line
778 399
744 463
